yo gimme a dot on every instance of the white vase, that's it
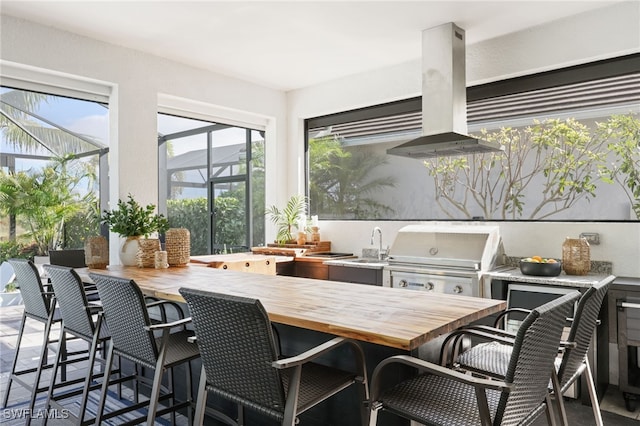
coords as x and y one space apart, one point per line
129 251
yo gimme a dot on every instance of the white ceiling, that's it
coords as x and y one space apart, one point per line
290 44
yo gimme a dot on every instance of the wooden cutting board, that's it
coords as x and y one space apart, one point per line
244 262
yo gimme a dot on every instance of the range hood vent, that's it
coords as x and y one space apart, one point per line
444 99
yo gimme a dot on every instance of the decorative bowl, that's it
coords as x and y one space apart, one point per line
541 269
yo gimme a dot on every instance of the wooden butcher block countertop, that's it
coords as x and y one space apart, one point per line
392 317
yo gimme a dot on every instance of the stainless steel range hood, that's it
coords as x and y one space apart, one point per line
444 99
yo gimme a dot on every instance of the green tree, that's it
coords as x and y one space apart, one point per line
230 221
193 215
623 135
340 181
42 201
557 161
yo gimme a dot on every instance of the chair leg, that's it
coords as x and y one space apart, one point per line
54 373
189 394
201 399
290 409
240 411
172 399
5 400
373 414
42 363
557 392
89 379
364 397
155 390
551 419
105 385
595 404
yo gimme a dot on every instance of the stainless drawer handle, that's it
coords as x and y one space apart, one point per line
630 305
457 289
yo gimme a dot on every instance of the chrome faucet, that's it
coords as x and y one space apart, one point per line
380 251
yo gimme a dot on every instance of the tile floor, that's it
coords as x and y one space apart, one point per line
9 324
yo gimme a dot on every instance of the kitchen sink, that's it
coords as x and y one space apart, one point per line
329 255
360 261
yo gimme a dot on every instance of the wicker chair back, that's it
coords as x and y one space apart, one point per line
72 300
126 315
237 346
36 302
532 359
585 321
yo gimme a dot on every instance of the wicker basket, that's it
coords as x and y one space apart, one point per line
576 256
96 252
178 246
147 252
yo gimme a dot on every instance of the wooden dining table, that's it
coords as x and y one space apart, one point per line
396 318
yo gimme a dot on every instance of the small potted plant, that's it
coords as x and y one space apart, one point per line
288 218
132 221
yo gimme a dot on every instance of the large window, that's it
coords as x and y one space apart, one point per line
212 178
572 152
50 151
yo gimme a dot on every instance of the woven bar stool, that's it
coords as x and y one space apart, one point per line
133 338
492 358
78 320
39 305
241 362
439 395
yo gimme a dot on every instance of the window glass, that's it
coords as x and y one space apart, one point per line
50 147
571 153
212 181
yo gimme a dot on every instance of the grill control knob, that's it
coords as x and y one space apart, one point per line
457 289
429 286
402 283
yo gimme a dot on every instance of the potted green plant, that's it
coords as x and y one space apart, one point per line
131 221
288 217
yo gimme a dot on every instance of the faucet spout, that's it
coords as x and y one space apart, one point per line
373 233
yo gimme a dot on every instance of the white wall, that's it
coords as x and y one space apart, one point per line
137 83
604 33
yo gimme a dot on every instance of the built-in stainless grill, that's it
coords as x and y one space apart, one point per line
444 258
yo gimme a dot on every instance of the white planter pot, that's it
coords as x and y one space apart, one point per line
129 251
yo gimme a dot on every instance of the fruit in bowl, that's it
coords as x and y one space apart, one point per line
540 266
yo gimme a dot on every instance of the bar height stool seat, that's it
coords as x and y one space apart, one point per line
439 395
39 305
134 338
241 362
492 358
78 320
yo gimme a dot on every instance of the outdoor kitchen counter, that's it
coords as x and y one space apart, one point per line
564 280
384 316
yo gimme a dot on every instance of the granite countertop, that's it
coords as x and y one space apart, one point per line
579 281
